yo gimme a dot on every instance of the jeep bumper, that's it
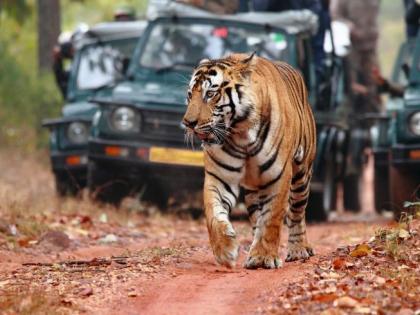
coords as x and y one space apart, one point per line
69 161
408 155
140 162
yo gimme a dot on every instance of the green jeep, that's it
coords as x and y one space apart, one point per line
396 136
101 54
137 141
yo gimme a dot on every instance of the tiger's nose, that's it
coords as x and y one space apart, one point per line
190 124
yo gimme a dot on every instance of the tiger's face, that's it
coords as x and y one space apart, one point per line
216 99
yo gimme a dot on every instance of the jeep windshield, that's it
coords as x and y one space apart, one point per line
181 44
101 63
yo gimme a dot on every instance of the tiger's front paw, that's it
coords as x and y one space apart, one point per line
266 262
224 244
298 252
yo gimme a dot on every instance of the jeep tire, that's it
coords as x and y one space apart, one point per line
351 193
105 185
381 187
66 184
404 186
321 203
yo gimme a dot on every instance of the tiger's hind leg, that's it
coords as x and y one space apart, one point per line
297 246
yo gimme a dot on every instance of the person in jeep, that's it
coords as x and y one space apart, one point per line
214 6
62 51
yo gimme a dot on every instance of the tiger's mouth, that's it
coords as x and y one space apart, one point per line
207 137
209 134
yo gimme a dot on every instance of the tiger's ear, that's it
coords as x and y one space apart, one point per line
203 61
250 60
246 65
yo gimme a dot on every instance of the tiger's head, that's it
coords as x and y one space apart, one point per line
219 99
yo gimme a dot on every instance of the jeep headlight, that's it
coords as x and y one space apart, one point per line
125 119
78 132
414 123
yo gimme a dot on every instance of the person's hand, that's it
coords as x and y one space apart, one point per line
359 89
355 34
198 3
56 52
377 76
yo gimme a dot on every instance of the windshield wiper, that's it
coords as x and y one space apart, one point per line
175 65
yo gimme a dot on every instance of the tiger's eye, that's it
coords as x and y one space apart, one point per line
210 94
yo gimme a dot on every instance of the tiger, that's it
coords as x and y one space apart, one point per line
258 134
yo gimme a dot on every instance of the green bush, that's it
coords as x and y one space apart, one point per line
27 96
25 99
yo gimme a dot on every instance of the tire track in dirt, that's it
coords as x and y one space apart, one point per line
213 290
196 285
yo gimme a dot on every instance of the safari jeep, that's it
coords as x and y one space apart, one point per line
137 141
396 137
100 55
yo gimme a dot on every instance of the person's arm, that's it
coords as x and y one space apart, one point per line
313 5
221 7
412 14
215 6
385 86
339 12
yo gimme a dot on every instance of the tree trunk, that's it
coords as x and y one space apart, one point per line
48 31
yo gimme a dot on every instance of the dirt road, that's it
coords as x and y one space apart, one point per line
132 260
199 286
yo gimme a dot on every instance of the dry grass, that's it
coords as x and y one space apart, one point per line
28 199
393 238
33 303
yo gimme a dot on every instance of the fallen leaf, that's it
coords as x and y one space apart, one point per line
362 310
24 241
403 234
103 218
109 238
330 275
325 298
66 302
405 311
360 251
13 230
379 280
332 311
338 263
346 302
86 292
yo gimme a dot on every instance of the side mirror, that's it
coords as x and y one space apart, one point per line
406 70
125 64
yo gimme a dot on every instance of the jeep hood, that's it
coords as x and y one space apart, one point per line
79 109
152 92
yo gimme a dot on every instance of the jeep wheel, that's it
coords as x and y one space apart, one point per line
381 187
105 185
321 203
404 186
329 194
315 211
66 184
352 196
156 194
